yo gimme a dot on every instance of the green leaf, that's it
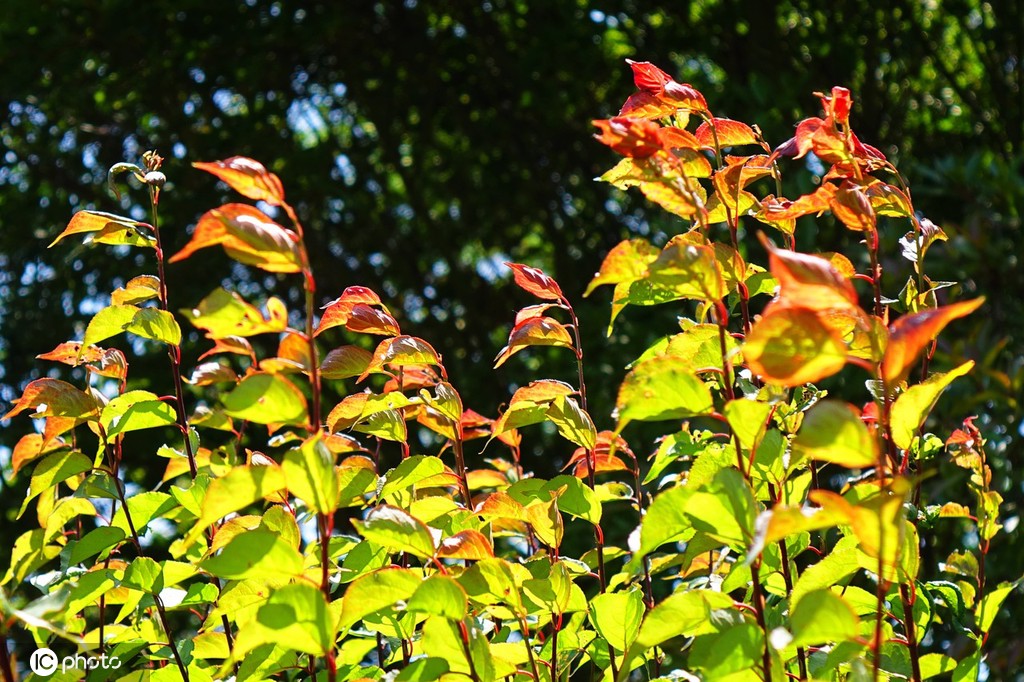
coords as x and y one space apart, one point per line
665 521
423 670
156 324
375 591
30 551
576 498
108 322
492 581
397 530
440 595
53 470
748 420
235 490
821 616
224 313
572 421
832 570
832 431
617 616
309 471
144 574
735 649
659 389
296 617
441 639
135 411
411 471
725 509
933 665
553 591
686 614
990 603
255 554
913 405
94 542
144 507
266 399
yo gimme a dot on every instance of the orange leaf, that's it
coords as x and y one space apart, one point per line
248 235
646 105
107 225
810 282
729 133
367 320
57 398
817 202
683 96
536 282
677 138
471 545
633 137
541 391
853 208
31 447
536 331
337 312
345 362
401 351
909 335
683 202
247 177
792 346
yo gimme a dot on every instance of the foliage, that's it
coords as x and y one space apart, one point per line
776 530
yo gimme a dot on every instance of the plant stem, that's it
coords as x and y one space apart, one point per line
908 599
174 351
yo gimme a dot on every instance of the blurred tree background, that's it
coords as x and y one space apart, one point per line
425 146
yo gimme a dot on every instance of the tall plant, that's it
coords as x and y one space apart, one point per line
777 529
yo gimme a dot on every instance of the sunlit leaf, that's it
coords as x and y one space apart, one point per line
136 290
248 235
909 335
345 362
237 489
255 554
248 177
107 228
53 470
632 137
626 262
376 591
810 282
309 471
726 132
616 617
572 421
224 314
441 596
535 281
832 431
397 530
296 617
266 399
689 270
471 545
401 351
659 389
821 617
535 331
792 346
853 208
134 411
913 405
54 398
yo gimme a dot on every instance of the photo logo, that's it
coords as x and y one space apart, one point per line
43 662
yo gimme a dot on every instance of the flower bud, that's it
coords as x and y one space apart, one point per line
155 179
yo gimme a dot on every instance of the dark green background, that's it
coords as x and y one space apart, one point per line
424 146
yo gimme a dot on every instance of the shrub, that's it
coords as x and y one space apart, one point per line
777 530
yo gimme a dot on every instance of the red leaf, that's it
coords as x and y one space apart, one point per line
909 335
247 177
839 104
536 282
647 105
338 311
730 133
818 202
633 137
677 138
648 77
684 96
